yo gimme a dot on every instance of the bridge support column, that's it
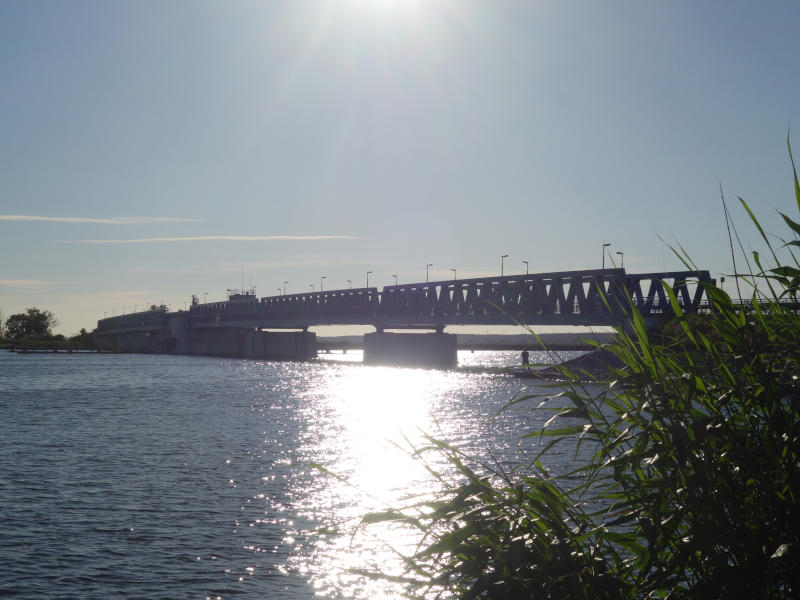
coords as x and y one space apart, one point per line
227 341
281 345
249 343
411 349
136 343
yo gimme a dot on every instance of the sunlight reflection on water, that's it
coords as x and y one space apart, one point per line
377 416
200 472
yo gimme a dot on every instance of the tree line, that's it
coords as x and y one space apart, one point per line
36 325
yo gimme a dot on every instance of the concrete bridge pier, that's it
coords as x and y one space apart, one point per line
134 342
411 349
243 342
227 341
281 345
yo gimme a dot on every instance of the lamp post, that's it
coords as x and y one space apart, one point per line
135 307
621 259
605 245
350 281
311 285
502 258
454 274
368 272
279 291
426 271
321 279
525 262
284 287
205 297
395 279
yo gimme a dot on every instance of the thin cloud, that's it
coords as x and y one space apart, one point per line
96 220
216 238
298 262
24 282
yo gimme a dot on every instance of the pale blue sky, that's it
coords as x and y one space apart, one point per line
383 134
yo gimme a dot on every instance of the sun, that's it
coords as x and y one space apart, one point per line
390 10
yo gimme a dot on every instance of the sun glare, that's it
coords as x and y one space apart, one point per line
376 409
386 6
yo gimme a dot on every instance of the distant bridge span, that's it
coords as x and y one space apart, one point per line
239 326
561 298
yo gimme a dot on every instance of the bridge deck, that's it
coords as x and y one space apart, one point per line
593 297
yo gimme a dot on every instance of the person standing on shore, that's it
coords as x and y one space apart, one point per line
525 356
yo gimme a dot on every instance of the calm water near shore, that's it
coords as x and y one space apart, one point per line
143 476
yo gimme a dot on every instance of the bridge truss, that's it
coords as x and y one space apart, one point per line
592 297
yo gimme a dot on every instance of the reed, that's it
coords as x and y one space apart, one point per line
692 487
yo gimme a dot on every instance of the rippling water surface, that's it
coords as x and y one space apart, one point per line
136 476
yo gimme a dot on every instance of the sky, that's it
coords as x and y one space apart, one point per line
154 150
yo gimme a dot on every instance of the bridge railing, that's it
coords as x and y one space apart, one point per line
144 320
337 306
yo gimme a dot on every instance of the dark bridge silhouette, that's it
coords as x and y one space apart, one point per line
564 298
592 297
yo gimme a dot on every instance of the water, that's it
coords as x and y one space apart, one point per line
134 476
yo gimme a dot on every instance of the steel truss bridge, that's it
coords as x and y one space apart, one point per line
591 297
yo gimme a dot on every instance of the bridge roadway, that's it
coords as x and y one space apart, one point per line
564 298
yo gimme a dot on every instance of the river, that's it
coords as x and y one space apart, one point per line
147 476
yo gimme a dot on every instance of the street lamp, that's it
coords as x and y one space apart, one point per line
350 281
279 291
502 258
395 279
284 287
311 285
621 259
526 266
205 297
454 274
320 282
368 272
605 245
426 271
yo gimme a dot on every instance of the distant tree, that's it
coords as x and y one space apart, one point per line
33 322
83 338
